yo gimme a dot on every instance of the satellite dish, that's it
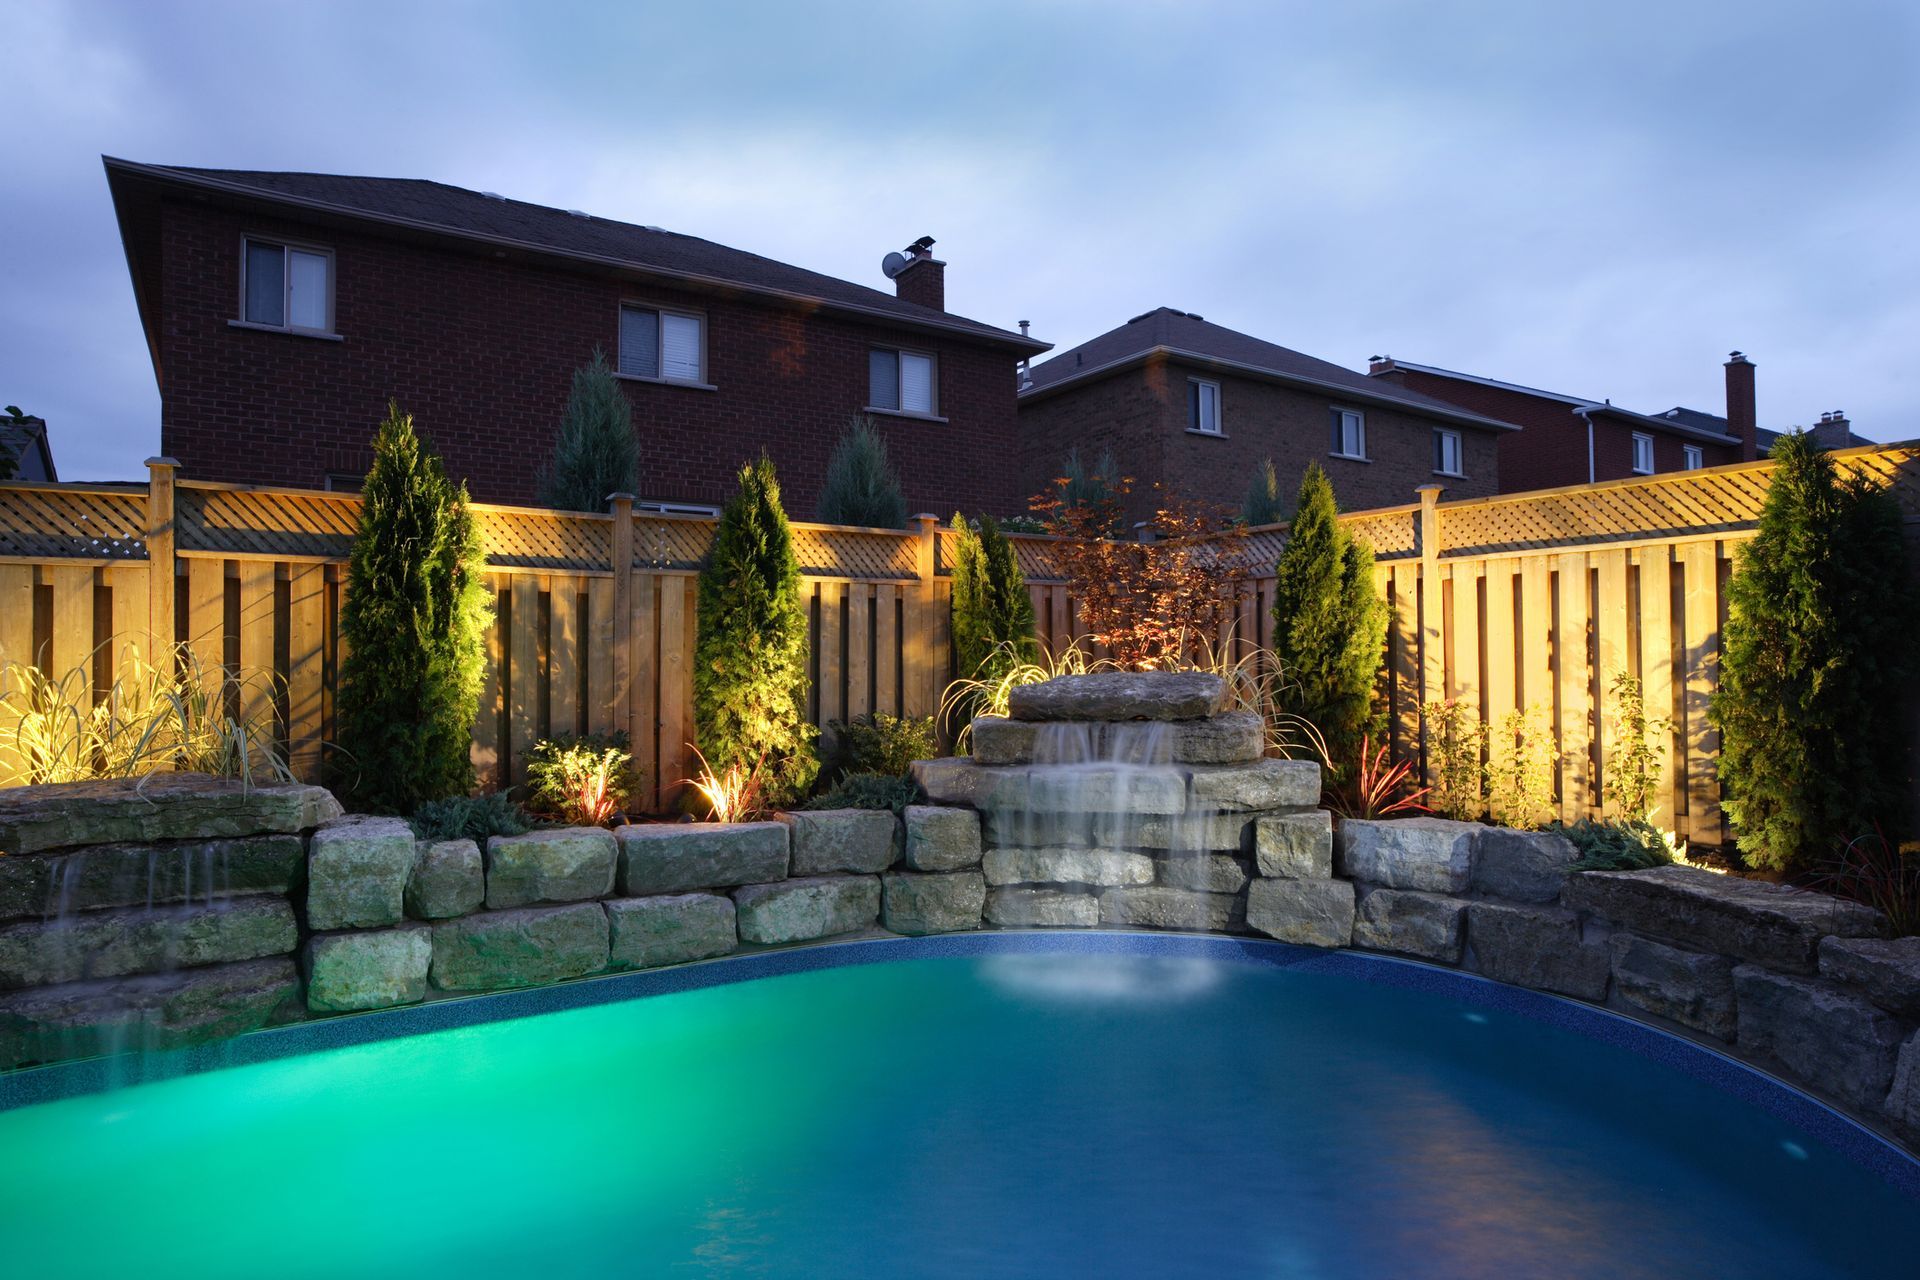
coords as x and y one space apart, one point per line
894 263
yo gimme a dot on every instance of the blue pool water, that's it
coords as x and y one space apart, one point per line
1132 1112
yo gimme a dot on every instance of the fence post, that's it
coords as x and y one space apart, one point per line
161 546
622 504
923 656
1432 666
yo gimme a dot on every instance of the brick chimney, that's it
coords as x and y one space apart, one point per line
1741 421
924 279
1833 431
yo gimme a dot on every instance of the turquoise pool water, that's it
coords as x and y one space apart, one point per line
989 1115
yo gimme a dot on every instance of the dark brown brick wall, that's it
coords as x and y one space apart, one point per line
1141 415
481 352
1550 450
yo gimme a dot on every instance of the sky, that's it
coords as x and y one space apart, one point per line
1602 198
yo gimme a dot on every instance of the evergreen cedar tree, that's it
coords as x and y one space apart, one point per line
415 621
1816 657
1263 505
595 453
1330 626
750 659
861 487
992 612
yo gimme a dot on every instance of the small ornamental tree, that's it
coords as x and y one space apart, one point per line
1330 625
992 612
750 659
1264 504
1817 653
862 487
595 452
414 622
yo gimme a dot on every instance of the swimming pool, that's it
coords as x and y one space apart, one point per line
1101 1104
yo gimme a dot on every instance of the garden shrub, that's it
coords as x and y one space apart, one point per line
750 657
880 743
1456 746
868 791
415 619
1264 505
1520 757
595 453
580 780
1633 770
470 818
1330 625
1815 660
1625 844
862 488
993 620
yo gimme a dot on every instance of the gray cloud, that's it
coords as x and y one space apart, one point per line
1601 199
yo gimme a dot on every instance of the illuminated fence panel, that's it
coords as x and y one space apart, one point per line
1524 598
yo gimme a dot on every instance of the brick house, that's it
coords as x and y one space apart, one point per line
1568 439
283 310
1195 408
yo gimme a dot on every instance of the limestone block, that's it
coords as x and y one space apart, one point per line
1429 854
563 864
803 909
163 806
374 969
1692 988
1523 866
357 869
669 929
825 841
916 902
1294 846
1165 907
1121 695
941 839
675 857
1067 866
524 947
1429 925
449 879
1829 1040
1539 947
112 944
1025 907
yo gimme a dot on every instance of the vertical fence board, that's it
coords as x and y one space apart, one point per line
306 666
523 674
642 712
128 583
1611 626
599 630
564 643
72 641
1575 680
256 641
1536 622
1403 643
676 669
16 646
1702 640
833 643
488 750
859 649
1503 693
886 650
1464 636
1656 671
207 615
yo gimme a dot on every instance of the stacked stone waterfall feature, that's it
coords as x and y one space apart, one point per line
1138 799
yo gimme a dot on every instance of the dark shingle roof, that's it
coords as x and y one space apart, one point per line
458 211
1180 333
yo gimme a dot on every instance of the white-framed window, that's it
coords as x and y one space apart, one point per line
1695 457
1349 434
902 381
286 286
1203 406
667 507
1642 454
662 345
1448 457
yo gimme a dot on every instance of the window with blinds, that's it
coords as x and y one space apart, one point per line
665 345
1349 434
1447 457
286 286
900 381
1203 406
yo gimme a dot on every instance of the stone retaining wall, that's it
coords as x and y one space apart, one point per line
196 914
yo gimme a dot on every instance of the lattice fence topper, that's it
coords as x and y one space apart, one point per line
527 538
1677 504
1032 552
264 524
59 522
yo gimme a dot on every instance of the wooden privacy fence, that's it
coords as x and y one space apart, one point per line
1532 599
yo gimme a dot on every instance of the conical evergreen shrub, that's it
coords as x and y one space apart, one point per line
595 452
414 622
1263 504
1815 661
992 612
750 658
862 487
1330 625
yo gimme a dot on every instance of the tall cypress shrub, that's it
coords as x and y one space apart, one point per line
750 659
862 487
1263 504
1815 661
1330 625
415 621
992 612
595 452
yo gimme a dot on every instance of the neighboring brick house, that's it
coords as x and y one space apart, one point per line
1194 408
1569 440
284 310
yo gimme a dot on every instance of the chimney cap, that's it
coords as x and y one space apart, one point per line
1738 357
